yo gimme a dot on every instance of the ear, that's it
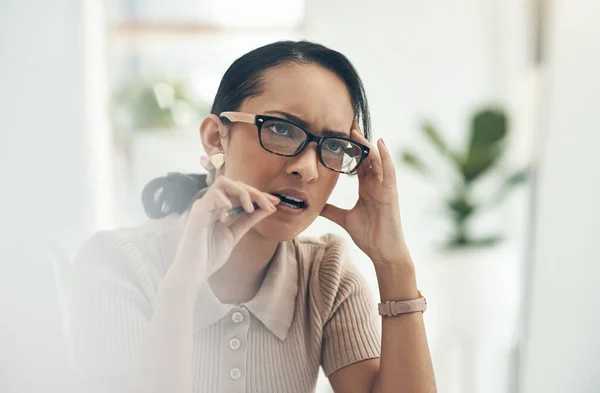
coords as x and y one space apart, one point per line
213 135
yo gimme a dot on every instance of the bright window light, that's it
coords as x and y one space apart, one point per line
258 13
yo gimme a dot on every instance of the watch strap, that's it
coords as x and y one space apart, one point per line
392 308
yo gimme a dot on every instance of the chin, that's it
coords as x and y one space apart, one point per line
278 230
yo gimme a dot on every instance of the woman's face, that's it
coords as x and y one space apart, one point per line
318 97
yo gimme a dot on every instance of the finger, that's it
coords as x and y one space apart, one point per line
249 195
263 199
356 125
217 204
235 190
387 164
273 198
220 202
335 214
223 205
245 222
372 164
207 208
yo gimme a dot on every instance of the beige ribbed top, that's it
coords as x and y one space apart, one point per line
313 309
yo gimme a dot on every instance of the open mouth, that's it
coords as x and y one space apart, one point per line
291 201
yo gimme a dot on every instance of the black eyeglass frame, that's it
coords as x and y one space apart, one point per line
259 120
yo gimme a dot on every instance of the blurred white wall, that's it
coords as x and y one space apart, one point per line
42 105
436 58
439 60
45 175
562 347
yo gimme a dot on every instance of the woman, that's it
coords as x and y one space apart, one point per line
205 300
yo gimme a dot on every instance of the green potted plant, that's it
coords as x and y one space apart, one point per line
472 282
487 145
157 104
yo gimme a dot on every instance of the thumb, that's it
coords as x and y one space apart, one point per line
334 214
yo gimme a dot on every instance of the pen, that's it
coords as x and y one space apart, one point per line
240 210
231 213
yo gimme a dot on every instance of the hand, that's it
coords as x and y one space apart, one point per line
210 235
374 222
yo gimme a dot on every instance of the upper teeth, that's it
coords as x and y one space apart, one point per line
292 198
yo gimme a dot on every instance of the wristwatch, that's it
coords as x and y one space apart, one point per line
391 308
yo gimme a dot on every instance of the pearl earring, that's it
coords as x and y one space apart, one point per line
218 159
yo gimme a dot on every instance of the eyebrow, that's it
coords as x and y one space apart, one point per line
304 124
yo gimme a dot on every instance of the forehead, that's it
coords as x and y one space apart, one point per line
307 91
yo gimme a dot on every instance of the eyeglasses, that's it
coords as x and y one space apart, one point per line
285 138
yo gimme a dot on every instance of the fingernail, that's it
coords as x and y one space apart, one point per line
383 142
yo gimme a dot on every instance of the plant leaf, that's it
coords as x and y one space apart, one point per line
460 208
470 242
514 180
434 136
414 162
440 144
519 177
487 142
488 126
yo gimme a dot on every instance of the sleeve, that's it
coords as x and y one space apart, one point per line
351 328
110 299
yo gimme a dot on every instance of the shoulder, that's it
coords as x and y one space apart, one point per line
332 276
135 253
327 256
313 250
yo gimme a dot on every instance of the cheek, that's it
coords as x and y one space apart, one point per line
248 162
328 181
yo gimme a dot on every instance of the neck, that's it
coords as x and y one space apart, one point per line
243 273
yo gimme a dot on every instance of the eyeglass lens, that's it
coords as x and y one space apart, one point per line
286 139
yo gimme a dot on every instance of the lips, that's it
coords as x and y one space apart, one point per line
291 198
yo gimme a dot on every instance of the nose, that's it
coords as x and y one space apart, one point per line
305 164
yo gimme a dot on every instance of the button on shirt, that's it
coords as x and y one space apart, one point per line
237 317
312 310
234 344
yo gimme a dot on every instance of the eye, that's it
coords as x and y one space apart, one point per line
334 146
282 129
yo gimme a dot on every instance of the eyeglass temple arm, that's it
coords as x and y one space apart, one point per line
240 117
